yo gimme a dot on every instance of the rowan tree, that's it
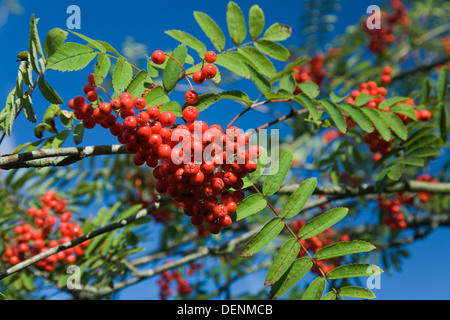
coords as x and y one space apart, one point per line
194 207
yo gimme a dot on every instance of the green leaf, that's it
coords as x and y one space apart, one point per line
27 104
337 99
277 173
96 44
414 161
139 84
236 23
329 296
315 290
259 61
236 95
363 99
204 101
251 205
343 248
102 67
49 116
391 101
109 47
273 49
78 133
189 41
311 89
396 125
172 106
28 280
335 114
211 29
47 92
309 104
256 21
441 120
172 71
259 80
156 96
71 57
358 116
260 240
297 271
34 37
289 67
356 292
375 116
57 140
66 118
395 170
298 199
442 84
322 222
354 270
40 128
423 152
229 62
278 32
2 296
404 109
53 40
122 75
425 91
128 212
282 261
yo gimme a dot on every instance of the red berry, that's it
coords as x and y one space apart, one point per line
231 206
209 71
225 221
139 103
198 77
210 57
130 122
91 78
167 119
18 230
154 113
158 57
164 151
387 70
142 118
214 228
190 113
191 168
220 211
424 115
191 97
105 108
88 87
92 96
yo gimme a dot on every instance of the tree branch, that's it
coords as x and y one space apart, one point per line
113 226
56 157
366 189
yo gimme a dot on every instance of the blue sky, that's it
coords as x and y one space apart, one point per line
424 275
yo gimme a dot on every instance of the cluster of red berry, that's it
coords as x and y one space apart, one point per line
425 196
49 226
395 218
377 144
313 244
382 37
194 164
313 71
183 286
